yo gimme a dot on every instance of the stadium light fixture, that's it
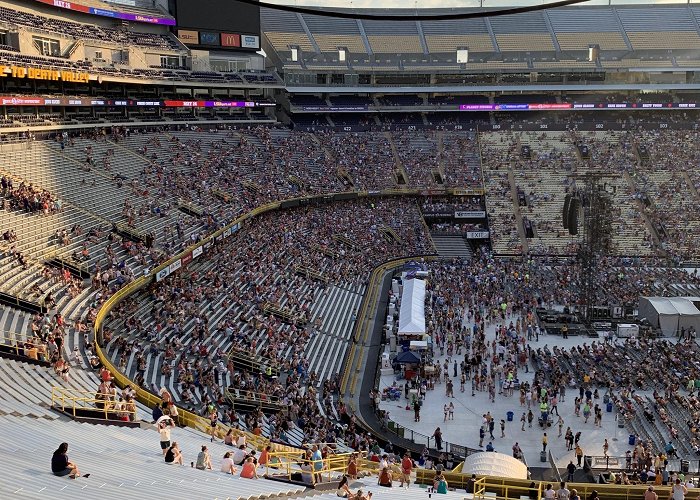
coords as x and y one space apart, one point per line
462 56
342 54
295 54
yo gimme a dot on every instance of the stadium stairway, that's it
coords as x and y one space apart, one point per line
640 207
516 210
122 463
451 246
334 308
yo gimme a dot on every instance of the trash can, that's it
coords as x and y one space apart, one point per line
543 456
609 407
632 440
509 415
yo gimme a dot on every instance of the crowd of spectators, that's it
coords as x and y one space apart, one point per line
465 298
194 319
27 197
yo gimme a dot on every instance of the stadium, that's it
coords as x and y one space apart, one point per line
255 250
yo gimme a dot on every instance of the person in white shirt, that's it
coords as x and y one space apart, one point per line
239 455
164 429
241 441
227 464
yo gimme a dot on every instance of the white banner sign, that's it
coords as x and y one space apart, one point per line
250 41
175 266
162 274
477 235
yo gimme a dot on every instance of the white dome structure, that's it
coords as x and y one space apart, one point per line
488 463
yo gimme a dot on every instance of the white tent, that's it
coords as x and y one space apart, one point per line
489 463
412 313
670 313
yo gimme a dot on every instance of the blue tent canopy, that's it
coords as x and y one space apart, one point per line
407 357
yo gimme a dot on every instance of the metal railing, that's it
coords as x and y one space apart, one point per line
289 464
502 488
603 463
86 405
258 399
421 439
17 342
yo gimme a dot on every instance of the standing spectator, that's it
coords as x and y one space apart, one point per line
570 469
437 435
679 490
579 455
164 426
213 417
470 484
406 468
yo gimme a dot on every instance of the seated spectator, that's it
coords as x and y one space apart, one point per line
440 483
361 496
227 464
249 471
203 459
343 490
239 455
228 438
385 478
61 466
173 455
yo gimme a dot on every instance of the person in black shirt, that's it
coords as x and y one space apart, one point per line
470 484
61 466
173 455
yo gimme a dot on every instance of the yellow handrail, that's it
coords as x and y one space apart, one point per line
288 463
72 401
513 489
